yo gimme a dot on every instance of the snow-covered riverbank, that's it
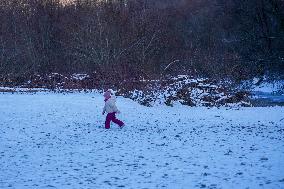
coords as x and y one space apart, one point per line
268 94
51 140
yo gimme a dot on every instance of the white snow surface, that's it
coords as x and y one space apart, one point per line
269 87
52 140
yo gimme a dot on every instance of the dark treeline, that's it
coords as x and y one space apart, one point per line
123 39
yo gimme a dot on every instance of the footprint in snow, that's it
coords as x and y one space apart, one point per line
263 159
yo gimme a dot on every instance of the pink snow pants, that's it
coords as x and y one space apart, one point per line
111 117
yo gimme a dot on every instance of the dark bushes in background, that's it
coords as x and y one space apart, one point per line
118 40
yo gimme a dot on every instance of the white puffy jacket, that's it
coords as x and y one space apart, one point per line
110 106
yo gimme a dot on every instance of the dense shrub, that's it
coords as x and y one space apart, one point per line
132 39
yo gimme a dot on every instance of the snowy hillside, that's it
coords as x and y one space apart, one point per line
187 90
53 140
168 90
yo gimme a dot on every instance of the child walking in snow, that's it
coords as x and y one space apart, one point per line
111 110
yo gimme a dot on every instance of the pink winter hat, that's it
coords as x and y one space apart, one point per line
107 94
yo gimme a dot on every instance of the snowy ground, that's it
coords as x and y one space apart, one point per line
52 140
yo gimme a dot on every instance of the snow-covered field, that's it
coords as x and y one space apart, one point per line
50 140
